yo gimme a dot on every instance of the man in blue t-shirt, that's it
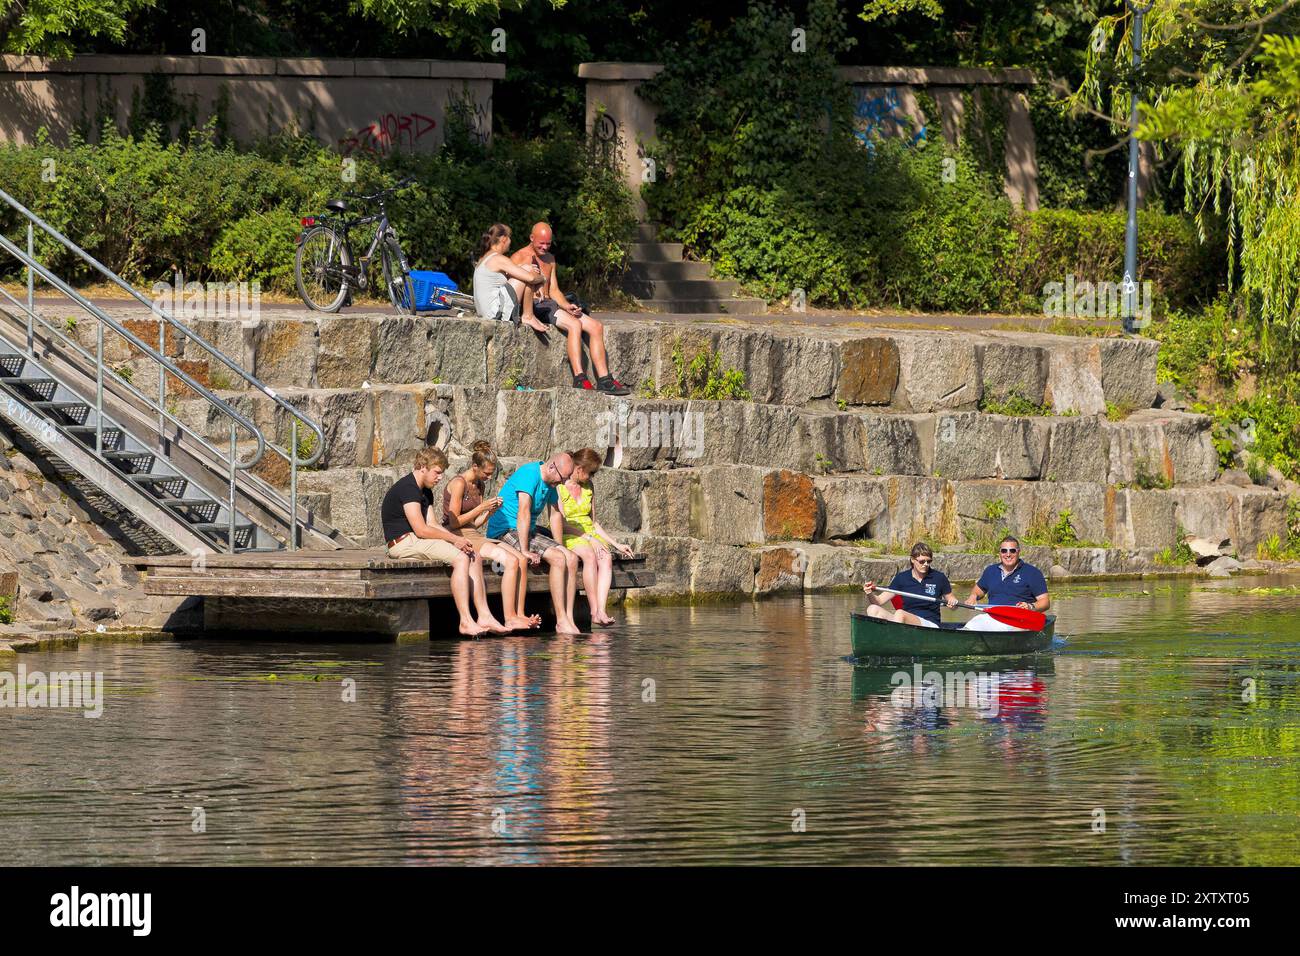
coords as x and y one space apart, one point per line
1012 582
524 497
931 588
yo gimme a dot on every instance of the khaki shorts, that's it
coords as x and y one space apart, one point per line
431 549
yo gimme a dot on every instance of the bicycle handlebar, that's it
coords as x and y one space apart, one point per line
374 197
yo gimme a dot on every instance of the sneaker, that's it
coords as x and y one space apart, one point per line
612 386
581 381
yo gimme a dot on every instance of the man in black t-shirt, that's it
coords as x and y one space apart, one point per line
411 530
930 587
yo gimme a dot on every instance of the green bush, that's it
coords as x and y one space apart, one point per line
6 610
144 207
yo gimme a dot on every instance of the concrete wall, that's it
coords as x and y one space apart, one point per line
885 103
366 106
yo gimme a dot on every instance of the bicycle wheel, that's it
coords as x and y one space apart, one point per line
397 277
320 269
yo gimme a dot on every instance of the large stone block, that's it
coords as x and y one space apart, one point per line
1074 377
1084 500
617 497
1259 515
285 353
524 423
347 418
671 560
1168 445
799 369
774 436
232 337
722 569
400 427
458 350
402 351
1012 368
1128 371
1207 512
780 569
355 498
832 566
582 419
988 509
791 510
633 353
898 444
868 371
976 445
849 504
731 509
937 372
472 413
1140 519
917 509
835 441
1077 450
516 355
346 350
672 503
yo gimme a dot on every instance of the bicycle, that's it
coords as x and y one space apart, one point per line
325 268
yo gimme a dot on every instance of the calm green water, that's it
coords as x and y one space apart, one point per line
548 750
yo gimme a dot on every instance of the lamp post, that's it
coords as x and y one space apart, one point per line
1131 227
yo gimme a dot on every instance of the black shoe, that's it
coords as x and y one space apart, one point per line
581 381
609 385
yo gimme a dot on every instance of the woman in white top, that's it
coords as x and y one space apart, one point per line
499 284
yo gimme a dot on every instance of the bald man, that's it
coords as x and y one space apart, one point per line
547 304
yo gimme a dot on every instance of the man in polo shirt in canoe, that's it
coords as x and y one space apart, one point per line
1009 583
524 497
411 531
930 587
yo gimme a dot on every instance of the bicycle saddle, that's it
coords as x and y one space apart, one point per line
337 205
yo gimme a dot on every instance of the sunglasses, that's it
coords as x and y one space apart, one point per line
1008 550
922 560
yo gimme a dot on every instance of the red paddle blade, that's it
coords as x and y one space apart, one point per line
897 602
1021 617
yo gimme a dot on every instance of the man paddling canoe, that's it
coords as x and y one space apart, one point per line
1012 583
920 579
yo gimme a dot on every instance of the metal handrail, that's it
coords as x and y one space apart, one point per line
165 366
178 326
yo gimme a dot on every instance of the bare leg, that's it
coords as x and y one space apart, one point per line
572 328
485 618
875 610
595 344
535 620
571 590
604 578
587 555
513 586
460 594
526 313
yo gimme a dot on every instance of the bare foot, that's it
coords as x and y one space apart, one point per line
471 629
566 627
535 324
521 623
494 626
605 621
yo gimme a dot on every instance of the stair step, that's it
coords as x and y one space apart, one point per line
12 363
656 251
681 288
132 460
42 387
647 231
74 411
163 485
682 269
708 306
112 435
245 533
189 502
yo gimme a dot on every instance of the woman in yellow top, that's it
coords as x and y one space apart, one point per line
584 536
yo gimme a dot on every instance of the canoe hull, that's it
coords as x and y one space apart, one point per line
873 637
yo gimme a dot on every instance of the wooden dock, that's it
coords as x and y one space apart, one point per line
362 575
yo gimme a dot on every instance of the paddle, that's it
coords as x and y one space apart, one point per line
1021 617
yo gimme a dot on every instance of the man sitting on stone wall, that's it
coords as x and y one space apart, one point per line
549 305
413 531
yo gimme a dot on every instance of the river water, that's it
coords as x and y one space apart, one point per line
1165 729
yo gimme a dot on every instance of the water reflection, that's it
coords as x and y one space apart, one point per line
691 735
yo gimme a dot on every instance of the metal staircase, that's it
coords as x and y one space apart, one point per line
91 420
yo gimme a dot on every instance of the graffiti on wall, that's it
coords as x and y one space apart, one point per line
390 132
475 115
882 115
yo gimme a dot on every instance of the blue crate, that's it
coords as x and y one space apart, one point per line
428 289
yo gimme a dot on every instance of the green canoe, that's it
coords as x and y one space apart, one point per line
873 637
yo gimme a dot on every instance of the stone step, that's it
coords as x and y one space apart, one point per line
683 269
742 506
388 424
707 306
684 289
655 251
647 231
908 370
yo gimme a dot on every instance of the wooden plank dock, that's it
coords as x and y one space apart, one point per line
353 574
